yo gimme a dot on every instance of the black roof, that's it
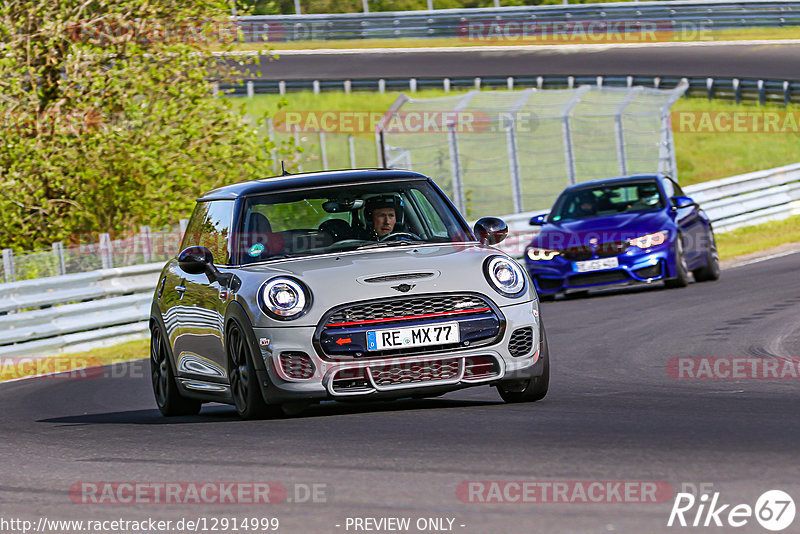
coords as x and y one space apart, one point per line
309 179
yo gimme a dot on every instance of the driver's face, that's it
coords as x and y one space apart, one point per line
384 219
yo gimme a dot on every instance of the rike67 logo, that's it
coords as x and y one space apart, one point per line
774 510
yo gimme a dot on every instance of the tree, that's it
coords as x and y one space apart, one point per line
108 121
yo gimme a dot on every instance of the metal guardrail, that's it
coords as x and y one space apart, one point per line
737 89
75 311
455 23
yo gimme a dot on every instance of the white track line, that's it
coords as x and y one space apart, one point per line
511 48
765 258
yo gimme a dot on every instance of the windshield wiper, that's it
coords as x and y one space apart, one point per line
382 244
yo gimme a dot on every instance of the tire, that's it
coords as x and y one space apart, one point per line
169 400
243 380
533 389
682 277
710 271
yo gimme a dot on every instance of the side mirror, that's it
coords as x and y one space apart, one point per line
538 220
196 260
683 202
491 230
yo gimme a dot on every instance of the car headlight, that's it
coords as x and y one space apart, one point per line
541 254
650 240
505 275
284 298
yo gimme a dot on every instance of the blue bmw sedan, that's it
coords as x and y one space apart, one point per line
620 231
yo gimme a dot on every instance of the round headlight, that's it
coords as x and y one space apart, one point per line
284 298
506 276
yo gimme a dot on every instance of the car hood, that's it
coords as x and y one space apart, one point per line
620 227
348 277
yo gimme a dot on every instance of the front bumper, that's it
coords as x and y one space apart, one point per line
636 266
420 374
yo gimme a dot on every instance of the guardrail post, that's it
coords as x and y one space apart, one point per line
478 83
315 85
282 87
455 169
737 91
8 265
599 81
352 148
446 85
571 82
412 85
297 7
104 249
762 93
539 82
381 86
365 5
250 89
510 83
787 93
58 252
347 86
147 243
710 88
323 149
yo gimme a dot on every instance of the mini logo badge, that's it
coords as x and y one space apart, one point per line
404 288
256 250
264 341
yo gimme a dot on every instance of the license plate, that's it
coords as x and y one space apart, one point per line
596 265
414 336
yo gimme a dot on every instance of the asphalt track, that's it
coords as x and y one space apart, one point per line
613 413
768 61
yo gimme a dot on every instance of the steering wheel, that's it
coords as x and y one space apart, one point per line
396 236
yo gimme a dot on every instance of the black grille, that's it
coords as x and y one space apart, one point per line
397 277
611 248
521 341
410 373
577 253
653 271
604 277
549 284
399 308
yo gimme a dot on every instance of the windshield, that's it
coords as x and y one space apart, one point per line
608 200
353 217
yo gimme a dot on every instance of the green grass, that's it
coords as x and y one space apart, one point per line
758 238
11 368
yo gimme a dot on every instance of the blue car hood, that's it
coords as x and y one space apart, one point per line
620 227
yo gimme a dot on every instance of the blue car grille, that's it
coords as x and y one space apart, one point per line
587 252
601 277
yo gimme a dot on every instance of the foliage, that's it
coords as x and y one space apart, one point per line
108 121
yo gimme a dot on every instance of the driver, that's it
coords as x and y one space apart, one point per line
382 214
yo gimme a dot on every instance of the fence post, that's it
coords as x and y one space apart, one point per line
787 93
352 148
446 85
315 85
297 7
104 249
58 252
250 89
147 243
273 152
762 93
323 149
455 169
348 86
282 87
619 131
737 91
566 132
381 86
412 85
8 265
513 163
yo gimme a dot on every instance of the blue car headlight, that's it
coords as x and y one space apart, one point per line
284 298
650 240
505 276
541 254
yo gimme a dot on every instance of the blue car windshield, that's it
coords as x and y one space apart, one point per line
605 200
342 218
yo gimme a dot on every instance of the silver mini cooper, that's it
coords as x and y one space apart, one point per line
345 285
